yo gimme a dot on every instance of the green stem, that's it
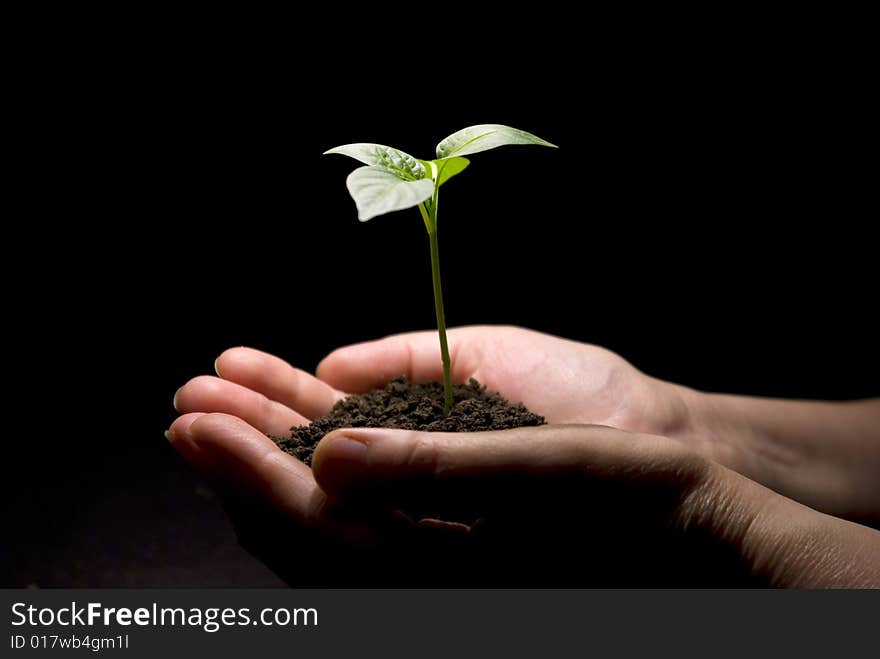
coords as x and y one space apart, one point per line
430 217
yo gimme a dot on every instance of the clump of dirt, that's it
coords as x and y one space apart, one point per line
412 407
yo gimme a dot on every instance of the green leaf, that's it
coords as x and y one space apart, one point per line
447 168
388 158
377 191
483 137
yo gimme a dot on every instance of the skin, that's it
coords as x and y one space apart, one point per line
714 485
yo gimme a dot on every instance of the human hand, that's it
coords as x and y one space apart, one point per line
225 419
574 504
566 381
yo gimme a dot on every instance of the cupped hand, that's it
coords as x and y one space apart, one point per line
225 419
565 381
648 504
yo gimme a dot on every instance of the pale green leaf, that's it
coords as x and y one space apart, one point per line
446 169
393 161
377 191
484 137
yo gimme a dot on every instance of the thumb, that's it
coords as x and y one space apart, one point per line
487 469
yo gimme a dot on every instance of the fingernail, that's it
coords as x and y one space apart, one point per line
348 450
176 394
169 435
340 464
217 367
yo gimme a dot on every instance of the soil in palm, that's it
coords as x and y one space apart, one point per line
412 407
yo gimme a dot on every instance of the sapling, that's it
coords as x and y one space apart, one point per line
393 180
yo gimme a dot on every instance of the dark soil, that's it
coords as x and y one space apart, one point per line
412 407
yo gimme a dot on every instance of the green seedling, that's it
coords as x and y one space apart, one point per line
393 180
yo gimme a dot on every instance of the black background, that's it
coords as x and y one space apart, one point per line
706 216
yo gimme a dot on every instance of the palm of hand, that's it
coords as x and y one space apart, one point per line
565 381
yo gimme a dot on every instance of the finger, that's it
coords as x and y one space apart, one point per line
209 394
178 436
231 449
364 366
244 458
277 380
492 467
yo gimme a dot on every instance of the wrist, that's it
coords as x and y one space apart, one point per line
787 447
793 546
780 542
